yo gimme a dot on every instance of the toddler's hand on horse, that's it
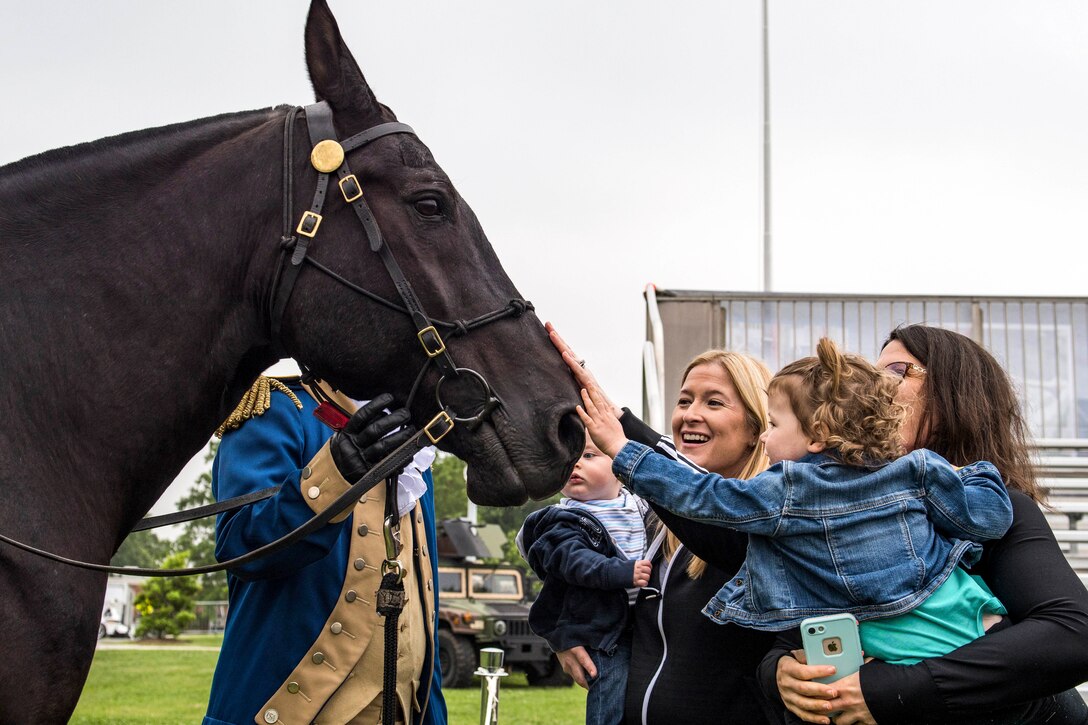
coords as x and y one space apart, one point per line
601 422
367 437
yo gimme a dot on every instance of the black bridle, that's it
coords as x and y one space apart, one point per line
330 156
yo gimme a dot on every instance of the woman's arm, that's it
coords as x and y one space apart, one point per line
1043 652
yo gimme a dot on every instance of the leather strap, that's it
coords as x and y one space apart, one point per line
180 517
390 465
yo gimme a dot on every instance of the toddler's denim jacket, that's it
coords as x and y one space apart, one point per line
825 537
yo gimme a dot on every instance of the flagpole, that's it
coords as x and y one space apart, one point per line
766 155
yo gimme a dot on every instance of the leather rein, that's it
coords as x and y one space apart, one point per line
328 156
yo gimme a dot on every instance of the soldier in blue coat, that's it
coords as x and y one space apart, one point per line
303 641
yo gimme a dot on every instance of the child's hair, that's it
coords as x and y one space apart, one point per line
845 402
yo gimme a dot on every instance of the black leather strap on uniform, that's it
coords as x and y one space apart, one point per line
390 598
390 601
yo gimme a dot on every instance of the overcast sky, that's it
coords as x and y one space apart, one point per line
933 147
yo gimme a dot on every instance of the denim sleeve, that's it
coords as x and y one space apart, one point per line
970 503
754 505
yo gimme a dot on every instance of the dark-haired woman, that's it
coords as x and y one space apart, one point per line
963 406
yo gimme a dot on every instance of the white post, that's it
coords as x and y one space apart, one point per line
489 672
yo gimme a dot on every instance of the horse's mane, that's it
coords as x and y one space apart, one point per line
185 134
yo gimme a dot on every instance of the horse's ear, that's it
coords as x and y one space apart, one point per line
336 76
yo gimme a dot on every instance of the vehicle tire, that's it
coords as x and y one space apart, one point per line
457 657
101 631
548 674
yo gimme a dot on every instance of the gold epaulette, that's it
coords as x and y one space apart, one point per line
255 402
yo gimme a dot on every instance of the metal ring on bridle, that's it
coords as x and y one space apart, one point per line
489 400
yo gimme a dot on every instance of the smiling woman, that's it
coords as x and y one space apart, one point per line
719 415
716 424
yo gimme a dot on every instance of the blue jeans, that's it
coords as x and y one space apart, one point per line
604 703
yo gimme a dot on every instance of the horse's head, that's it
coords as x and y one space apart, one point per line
527 444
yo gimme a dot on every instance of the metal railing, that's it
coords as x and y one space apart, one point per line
1041 341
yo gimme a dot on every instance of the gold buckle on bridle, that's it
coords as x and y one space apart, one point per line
441 343
442 418
307 217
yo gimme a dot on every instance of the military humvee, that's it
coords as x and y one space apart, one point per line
485 606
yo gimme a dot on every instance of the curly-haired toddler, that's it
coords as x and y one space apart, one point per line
840 522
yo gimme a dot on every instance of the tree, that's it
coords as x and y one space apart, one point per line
451 501
198 537
450 496
143 549
166 603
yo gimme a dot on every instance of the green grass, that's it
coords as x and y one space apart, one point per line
164 687
130 687
521 704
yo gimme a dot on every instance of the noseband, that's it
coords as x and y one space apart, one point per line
328 156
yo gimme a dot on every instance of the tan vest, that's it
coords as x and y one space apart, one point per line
340 678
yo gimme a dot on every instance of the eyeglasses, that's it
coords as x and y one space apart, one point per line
904 369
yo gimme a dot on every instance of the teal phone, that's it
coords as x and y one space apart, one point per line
832 640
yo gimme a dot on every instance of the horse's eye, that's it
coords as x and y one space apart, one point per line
427 207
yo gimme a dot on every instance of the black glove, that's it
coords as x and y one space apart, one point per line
364 440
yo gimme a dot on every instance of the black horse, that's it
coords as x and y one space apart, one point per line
136 278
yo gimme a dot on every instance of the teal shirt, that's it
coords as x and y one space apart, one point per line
947 620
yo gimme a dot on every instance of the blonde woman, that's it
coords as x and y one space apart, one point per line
717 422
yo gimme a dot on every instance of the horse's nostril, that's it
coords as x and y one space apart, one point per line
572 434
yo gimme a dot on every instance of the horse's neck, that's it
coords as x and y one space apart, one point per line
132 307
